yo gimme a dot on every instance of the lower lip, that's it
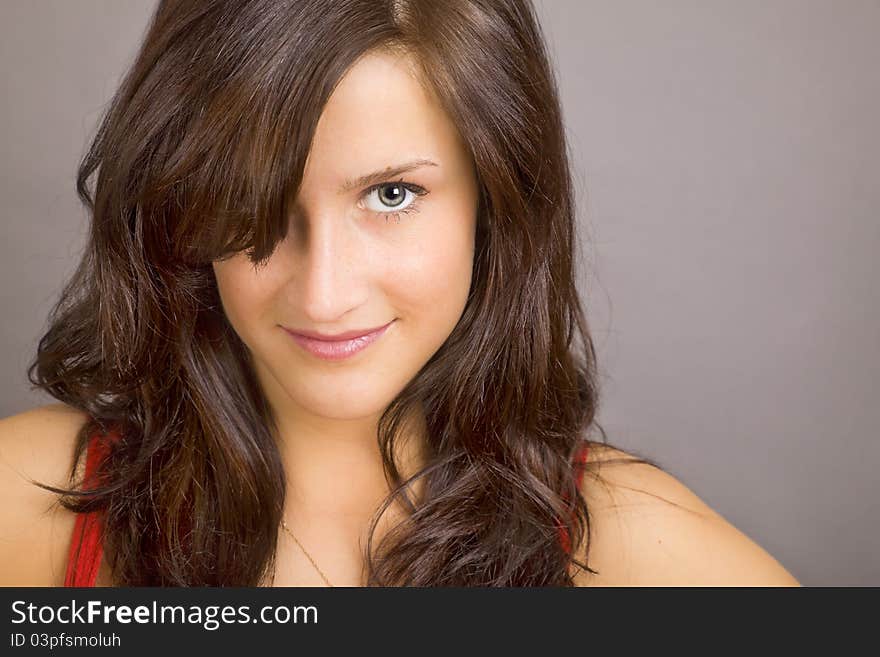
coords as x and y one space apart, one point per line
337 349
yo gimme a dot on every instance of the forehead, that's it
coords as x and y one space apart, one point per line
380 114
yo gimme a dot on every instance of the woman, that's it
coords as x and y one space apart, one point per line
274 179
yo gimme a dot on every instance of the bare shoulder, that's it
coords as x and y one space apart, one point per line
35 531
649 529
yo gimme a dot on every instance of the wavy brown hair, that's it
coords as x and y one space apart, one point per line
196 158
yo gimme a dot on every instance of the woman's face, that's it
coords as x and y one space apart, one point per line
359 258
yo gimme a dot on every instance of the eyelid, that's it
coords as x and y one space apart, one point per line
415 189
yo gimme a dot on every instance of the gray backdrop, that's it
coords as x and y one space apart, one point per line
726 159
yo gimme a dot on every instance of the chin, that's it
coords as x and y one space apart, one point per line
339 404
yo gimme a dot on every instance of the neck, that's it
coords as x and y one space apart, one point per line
334 467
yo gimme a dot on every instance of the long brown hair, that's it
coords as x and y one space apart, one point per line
196 158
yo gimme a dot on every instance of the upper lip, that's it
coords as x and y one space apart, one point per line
347 335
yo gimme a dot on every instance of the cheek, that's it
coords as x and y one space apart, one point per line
245 297
431 281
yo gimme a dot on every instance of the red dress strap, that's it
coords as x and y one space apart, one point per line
86 549
580 463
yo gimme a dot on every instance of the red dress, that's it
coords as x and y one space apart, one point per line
84 558
83 563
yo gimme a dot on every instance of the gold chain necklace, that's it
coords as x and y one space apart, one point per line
305 552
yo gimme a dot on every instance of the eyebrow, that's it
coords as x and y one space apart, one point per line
384 174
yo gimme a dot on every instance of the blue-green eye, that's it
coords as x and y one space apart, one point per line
392 199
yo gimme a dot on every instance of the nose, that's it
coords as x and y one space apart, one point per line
331 279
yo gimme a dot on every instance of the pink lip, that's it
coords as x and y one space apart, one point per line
337 347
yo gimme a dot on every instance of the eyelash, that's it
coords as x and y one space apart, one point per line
413 207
